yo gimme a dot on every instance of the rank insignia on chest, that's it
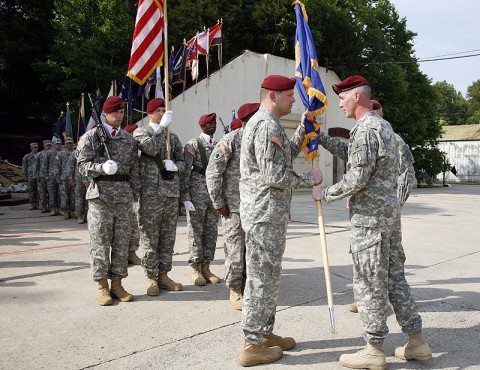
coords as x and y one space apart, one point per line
276 140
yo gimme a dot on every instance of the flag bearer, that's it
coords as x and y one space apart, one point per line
267 178
377 254
159 197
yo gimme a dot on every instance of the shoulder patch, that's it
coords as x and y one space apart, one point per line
191 150
277 140
223 148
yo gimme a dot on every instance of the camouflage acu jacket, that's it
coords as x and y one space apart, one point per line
90 157
223 172
266 168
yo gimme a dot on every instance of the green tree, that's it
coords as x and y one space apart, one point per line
26 39
473 101
429 161
91 48
451 106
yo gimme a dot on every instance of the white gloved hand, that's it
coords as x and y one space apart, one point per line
188 206
170 165
166 119
110 167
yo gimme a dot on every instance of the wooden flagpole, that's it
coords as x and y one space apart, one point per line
165 69
326 264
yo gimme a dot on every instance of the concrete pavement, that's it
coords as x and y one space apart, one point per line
50 318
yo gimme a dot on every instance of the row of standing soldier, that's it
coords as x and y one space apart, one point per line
54 183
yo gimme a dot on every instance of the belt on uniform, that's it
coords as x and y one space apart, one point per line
113 178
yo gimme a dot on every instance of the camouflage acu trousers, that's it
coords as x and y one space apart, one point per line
67 196
202 232
53 192
32 191
265 245
158 227
42 191
81 204
235 270
109 229
134 243
379 278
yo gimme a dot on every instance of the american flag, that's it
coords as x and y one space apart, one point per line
147 42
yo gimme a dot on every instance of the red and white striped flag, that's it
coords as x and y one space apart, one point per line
147 41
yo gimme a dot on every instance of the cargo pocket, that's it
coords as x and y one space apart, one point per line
364 233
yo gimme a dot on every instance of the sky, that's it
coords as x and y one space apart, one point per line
445 27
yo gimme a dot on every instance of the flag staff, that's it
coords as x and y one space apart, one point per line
312 93
165 69
326 264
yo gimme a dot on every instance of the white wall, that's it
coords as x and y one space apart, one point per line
465 156
239 82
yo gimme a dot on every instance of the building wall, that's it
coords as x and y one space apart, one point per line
465 156
239 82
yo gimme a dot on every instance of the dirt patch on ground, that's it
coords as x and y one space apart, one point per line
10 174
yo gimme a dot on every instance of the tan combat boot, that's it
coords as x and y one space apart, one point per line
254 354
32 206
103 294
208 275
117 291
416 349
236 299
197 277
273 340
371 357
80 219
352 307
66 215
44 209
54 211
152 287
133 259
164 282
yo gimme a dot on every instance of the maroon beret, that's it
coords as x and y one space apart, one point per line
247 110
154 104
112 104
236 123
206 118
376 104
130 128
278 83
350 83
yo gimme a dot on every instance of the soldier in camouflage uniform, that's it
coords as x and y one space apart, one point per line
115 186
202 217
405 180
29 173
64 177
378 258
223 177
41 159
267 179
406 173
48 171
81 184
159 197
